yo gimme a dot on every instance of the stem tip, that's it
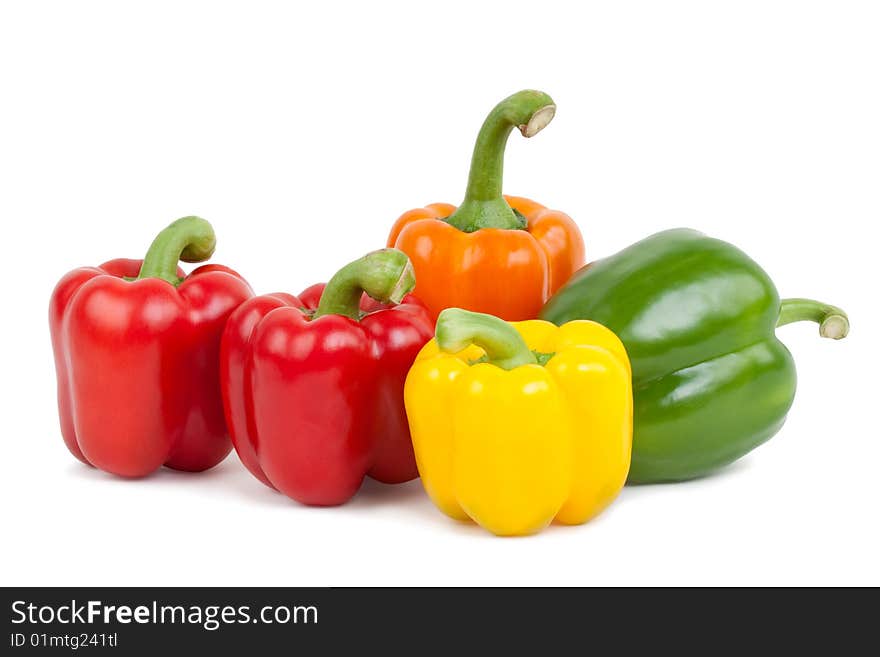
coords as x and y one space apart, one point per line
538 121
835 327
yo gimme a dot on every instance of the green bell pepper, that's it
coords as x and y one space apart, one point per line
710 379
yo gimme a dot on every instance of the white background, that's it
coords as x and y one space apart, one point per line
302 130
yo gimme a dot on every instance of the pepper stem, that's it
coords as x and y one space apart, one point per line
190 239
833 322
386 275
483 205
457 329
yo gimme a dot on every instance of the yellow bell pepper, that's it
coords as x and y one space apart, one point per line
517 424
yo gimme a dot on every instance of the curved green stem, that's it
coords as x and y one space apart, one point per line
386 275
457 329
190 239
833 322
483 205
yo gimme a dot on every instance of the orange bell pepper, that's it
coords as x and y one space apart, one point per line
502 255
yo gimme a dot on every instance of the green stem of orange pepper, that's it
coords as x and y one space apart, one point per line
483 205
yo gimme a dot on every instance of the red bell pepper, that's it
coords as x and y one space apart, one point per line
137 348
313 386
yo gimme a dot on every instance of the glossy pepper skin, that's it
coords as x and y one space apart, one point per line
514 439
503 255
313 386
698 317
137 352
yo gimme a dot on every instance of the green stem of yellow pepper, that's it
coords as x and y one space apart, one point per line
457 329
